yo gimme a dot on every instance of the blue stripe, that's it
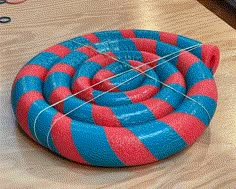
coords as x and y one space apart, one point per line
129 55
111 98
102 47
149 79
52 82
116 67
165 70
147 34
129 85
197 72
82 40
184 42
45 59
122 45
24 85
83 113
76 43
43 123
52 146
109 35
70 45
170 96
190 107
133 114
159 138
88 69
75 59
164 49
93 146
116 45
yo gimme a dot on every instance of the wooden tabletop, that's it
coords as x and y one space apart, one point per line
209 163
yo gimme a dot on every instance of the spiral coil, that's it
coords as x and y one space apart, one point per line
118 98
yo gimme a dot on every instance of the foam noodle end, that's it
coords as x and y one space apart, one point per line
211 57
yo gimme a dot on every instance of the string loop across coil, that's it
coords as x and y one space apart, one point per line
118 98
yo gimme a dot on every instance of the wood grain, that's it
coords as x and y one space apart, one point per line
209 163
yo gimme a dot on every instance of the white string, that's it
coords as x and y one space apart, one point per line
60 101
192 47
56 120
111 57
133 67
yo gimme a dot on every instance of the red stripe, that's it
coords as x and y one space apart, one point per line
104 116
148 57
187 126
185 61
101 75
80 84
102 59
59 50
31 70
142 93
128 33
88 51
92 38
169 38
61 67
135 63
57 95
211 56
205 87
147 45
158 107
22 109
128 148
106 85
177 78
62 139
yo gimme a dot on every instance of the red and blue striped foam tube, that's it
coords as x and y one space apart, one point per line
136 123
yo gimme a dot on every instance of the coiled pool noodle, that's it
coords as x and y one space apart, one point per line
137 122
